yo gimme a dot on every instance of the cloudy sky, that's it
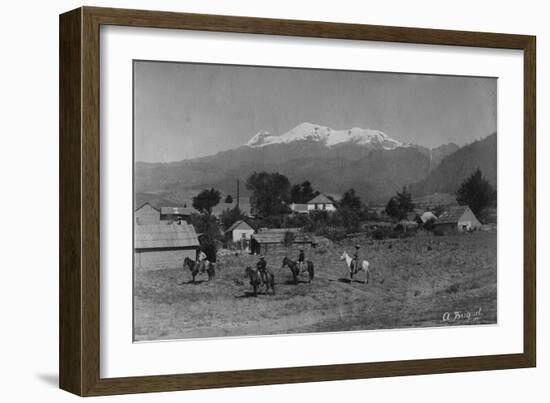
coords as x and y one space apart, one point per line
187 110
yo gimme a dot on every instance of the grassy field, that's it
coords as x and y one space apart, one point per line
413 283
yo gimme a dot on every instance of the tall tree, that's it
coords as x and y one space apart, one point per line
476 192
351 201
230 216
207 226
400 205
302 193
206 200
270 193
392 208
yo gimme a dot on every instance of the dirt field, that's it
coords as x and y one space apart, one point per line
414 282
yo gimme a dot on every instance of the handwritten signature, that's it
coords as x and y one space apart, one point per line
462 315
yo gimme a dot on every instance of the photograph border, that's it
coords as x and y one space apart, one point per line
79 280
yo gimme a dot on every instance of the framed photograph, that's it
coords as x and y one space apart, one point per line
248 201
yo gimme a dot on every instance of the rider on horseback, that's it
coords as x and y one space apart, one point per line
201 261
301 260
355 261
261 266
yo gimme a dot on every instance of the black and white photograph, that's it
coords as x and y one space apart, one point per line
282 200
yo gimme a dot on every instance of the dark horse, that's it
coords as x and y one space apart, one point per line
256 280
295 268
194 267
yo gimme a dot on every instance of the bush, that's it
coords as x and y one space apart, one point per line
274 221
453 289
332 233
438 232
379 234
347 218
209 247
230 216
298 221
429 225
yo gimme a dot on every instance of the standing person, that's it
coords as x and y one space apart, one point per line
262 269
301 260
355 261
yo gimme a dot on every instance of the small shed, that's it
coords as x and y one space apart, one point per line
460 218
321 202
146 214
278 238
240 230
164 245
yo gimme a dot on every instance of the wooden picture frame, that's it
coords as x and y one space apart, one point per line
79 281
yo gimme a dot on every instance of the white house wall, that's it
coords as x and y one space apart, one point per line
321 207
238 234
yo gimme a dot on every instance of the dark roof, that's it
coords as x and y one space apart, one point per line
335 197
321 199
176 235
178 210
452 216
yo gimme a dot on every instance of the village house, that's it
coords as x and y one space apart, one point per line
164 245
241 230
147 214
460 218
321 202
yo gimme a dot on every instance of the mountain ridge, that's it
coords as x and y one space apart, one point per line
374 169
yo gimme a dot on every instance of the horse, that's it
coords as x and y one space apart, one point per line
194 267
295 268
256 280
364 266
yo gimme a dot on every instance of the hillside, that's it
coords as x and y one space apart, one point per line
333 160
455 168
375 174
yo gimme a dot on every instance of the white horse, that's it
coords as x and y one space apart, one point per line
363 267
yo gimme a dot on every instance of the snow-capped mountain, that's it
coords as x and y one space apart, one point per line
326 136
369 161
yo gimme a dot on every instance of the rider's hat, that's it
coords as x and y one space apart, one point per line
357 246
262 257
301 249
